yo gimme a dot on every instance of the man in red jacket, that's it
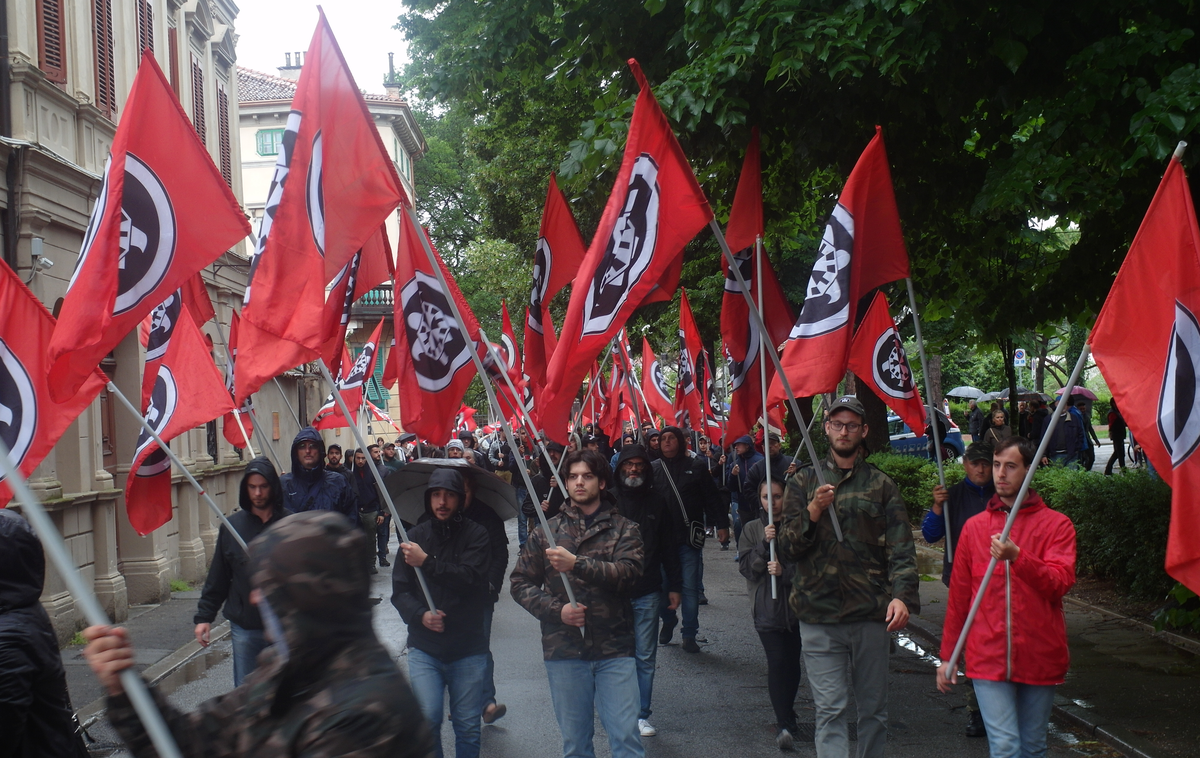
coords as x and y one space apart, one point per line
1016 650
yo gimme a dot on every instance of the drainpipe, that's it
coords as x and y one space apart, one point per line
12 217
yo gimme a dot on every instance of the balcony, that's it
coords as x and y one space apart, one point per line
378 302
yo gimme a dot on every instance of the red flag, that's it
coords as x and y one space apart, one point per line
434 364
229 426
155 334
739 330
689 412
188 392
381 415
1147 345
465 419
861 250
538 345
30 421
654 384
352 387
559 252
367 269
345 186
507 349
164 212
656 207
197 301
877 357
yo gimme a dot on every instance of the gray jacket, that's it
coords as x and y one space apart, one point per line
753 553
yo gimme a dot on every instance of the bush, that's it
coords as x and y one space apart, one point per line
1100 408
958 414
916 478
1182 610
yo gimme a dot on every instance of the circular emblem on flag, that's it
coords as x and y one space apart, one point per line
543 260
89 234
1179 403
18 406
438 347
314 195
164 398
630 249
147 236
162 323
827 297
892 374
509 352
660 381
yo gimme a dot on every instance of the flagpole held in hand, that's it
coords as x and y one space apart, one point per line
1047 435
762 373
770 350
933 419
133 684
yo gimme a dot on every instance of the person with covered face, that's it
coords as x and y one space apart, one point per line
310 486
325 688
227 586
447 648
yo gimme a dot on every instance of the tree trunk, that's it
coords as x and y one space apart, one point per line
935 378
877 413
1006 348
1039 364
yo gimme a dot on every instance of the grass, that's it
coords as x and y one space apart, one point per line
77 639
178 585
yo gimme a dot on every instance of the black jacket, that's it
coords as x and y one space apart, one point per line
696 489
366 492
770 614
317 489
543 489
36 717
646 508
228 581
497 545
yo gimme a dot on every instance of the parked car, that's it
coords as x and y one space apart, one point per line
906 442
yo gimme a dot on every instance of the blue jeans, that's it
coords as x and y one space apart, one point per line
1017 717
645 640
247 644
489 680
431 678
690 557
608 688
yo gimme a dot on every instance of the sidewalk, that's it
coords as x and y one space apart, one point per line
1131 688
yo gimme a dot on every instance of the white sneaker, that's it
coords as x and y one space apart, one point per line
646 728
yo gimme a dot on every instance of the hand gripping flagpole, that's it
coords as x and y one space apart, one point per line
933 419
762 373
1012 516
487 387
769 349
178 463
133 684
383 490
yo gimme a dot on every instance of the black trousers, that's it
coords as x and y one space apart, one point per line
383 533
783 673
1118 455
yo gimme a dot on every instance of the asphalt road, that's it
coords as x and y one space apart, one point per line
709 704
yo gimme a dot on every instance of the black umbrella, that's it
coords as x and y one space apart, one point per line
407 487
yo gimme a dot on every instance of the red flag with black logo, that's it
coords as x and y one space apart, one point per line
353 386
188 392
654 384
877 357
379 414
655 209
465 419
155 334
1147 345
229 424
197 301
511 357
862 249
433 355
689 411
370 267
334 186
163 213
537 347
30 421
739 330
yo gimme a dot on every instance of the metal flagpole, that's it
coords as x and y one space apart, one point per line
487 387
288 403
263 442
237 415
383 490
135 687
1012 516
762 373
770 351
933 419
175 459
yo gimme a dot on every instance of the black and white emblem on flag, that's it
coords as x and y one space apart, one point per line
543 261
508 353
163 401
890 366
660 381
89 234
162 323
827 297
349 273
283 165
358 372
630 249
18 406
439 348
1179 403
314 195
147 235
686 377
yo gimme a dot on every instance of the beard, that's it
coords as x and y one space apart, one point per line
633 481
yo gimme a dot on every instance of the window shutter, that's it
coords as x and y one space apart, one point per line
145 19
198 99
173 52
224 125
52 52
106 73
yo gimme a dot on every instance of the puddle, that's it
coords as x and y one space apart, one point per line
912 646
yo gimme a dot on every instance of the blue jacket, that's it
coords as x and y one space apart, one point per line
966 500
317 489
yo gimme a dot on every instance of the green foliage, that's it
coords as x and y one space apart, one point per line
178 585
916 478
1181 612
78 639
1100 408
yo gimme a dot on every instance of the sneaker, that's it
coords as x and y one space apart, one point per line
689 645
668 629
724 545
784 740
646 728
494 712
975 727
383 561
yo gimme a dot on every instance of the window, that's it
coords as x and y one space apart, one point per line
268 141
145 22
224 140
52 52
198 99
375 390
106 71
173 53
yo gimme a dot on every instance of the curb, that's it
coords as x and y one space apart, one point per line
185 665
1116 737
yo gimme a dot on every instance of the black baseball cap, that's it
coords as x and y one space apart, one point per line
849 403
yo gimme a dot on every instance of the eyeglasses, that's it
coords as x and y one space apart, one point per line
307 445
838 426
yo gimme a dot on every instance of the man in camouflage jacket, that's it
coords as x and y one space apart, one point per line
588 649
326 688
849 595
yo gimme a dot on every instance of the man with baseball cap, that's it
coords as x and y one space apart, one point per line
848 595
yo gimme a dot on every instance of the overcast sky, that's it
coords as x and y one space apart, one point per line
267 29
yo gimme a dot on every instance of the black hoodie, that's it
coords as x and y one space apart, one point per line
36 717
645 507
228 581
317 488
698 493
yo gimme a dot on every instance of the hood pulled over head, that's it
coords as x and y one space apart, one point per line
264 468
22 563
445 479
629 452
308 433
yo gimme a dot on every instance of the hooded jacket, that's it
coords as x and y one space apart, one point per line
317 489
36 717
748 507
482 514
228 581
697 491
1030 646
327 687
456 569
770 614
645 507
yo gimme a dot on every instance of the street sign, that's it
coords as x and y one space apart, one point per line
1019 357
